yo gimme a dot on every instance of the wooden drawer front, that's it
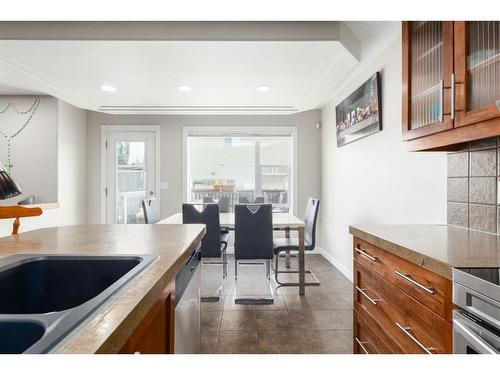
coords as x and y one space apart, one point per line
366 339
414 327
425 286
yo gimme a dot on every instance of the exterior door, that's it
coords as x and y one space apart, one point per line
477 69
427 75
131 177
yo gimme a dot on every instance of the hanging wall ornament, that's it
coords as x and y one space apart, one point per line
9 137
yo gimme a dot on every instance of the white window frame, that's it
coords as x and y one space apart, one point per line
104 167
244 131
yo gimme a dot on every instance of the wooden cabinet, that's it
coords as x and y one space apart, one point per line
477 71
407 308
155 333
451 83
366 340
427 71
432 290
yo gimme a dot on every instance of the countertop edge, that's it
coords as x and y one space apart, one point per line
419 259
117 339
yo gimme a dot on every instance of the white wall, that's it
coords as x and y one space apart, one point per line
171 145
34 150
72 172
375 180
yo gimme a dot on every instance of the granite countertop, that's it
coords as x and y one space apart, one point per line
438 248
107 330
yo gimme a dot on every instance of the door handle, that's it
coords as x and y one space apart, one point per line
408 278
365 254
362 345
441 100
363 292
453 85
407 332
460 327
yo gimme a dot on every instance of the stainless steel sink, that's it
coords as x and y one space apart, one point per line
44 297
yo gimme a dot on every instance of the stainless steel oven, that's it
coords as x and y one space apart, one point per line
476 323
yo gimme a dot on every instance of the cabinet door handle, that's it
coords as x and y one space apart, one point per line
365 254
408 278
441 100
453 85
362 345
363 292
407 332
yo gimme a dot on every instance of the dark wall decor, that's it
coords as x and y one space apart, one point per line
360 114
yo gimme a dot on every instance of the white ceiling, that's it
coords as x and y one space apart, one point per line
223 74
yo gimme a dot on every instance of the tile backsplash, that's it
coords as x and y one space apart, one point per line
473 186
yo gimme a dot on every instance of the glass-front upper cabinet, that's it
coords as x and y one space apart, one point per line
427 77
477 70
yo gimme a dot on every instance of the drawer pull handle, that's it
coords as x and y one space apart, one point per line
362 345
407 331
365 254
363 292
408 278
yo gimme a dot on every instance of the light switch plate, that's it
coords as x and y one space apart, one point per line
164 186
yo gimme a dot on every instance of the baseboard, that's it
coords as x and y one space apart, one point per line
341 267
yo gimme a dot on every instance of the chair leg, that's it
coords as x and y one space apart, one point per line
316 282
236 269
256 300
215 297
276 257
224 264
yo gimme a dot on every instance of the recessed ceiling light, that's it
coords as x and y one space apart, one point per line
108 88
263 88
184 88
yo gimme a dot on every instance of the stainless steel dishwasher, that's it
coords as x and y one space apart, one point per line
187 309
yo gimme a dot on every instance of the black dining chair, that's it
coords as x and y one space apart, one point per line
214 243
253 232
151 211
292 244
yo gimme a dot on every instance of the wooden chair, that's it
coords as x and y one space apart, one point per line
16 212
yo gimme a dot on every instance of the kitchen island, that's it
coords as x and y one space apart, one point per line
121 322
403 283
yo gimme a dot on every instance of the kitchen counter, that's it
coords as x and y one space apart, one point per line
107 330
439 248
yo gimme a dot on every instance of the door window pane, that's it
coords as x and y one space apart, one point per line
483 65
130 181
426 72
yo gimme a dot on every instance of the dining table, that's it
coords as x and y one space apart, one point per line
282 221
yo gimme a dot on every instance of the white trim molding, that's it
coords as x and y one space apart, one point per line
338 265
127 128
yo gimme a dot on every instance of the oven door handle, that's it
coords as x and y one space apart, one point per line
479 344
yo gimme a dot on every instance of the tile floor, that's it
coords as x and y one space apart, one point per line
319 322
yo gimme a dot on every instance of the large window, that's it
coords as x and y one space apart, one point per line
234 166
